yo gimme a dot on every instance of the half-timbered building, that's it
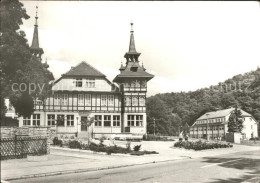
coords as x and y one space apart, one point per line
118 107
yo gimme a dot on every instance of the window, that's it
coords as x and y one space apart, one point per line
70 120
142 101
51 119
90 83
110 100
107 120
27 121
134 101
87 100
116 120
36 119
56 99
139 120
127 101
98 120
251 126
103 100
64 99
60 120
81 100
78 82
130 120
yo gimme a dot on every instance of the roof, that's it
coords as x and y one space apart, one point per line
221 113
84 69
128 73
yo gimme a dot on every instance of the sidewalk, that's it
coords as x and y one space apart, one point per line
64 161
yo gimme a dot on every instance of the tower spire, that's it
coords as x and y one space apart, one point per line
132 54
35 47
132 40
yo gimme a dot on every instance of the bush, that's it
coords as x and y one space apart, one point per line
128 146
256 138
74 144
57 142
137 147
156 138
199 145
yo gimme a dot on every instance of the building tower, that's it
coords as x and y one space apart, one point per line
35 47
132 81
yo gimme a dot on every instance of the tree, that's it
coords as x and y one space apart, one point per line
235 121
17 64
24 105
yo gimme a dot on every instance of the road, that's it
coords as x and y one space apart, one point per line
237 167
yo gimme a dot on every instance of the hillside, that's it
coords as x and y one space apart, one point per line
174 109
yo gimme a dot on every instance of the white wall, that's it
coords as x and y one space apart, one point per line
67 84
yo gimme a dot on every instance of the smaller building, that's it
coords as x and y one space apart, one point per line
215 125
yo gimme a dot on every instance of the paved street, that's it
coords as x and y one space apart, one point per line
236 167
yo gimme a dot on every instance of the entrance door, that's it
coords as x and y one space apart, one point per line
84 126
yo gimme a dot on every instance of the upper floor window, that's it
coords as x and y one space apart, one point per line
87 99
36 119
81 100
103 100
142 101
57 99
127 101
110 100
64 99
78 82
90 83
134 101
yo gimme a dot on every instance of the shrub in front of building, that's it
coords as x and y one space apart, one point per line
199 145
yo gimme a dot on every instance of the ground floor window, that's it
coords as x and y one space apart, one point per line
130 120
98 120
107 120
70 120
36 119
139 120
60 120
51 119
26 121
116 120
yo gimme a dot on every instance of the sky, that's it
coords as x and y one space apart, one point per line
186 45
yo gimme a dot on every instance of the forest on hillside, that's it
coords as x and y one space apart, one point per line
172 110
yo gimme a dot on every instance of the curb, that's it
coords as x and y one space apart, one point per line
97 153
86 170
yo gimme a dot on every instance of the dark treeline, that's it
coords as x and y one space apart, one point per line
172 110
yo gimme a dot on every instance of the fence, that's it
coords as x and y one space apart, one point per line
20 147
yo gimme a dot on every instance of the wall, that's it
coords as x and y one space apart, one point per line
67 84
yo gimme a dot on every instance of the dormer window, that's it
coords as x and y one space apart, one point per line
78 82
133 69
90 83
